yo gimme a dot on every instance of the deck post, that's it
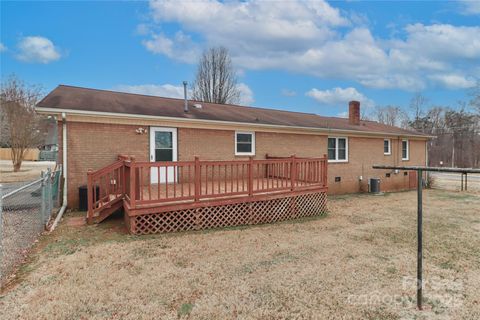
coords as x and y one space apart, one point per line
133 187
250 176
293 173
325 168
197 180
122 178
90 187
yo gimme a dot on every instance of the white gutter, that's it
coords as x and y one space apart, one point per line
64 170
230 123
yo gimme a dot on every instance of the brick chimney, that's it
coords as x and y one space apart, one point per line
354 112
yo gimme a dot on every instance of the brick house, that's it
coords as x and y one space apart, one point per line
103 124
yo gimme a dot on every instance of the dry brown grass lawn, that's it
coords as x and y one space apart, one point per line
29 171
351 264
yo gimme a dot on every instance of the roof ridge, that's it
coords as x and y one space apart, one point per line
181 99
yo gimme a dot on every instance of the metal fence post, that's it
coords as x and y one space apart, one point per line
419 241
43 208
49 197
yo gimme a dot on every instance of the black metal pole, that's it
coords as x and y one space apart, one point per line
419 239
466 188
462 182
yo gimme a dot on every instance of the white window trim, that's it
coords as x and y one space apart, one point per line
253 144
336 150
408 150
389 147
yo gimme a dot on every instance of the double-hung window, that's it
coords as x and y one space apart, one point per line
405 149
387 147
244 143
337 149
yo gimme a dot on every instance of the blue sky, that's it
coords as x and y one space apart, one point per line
302 56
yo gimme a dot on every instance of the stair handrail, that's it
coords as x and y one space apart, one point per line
94 181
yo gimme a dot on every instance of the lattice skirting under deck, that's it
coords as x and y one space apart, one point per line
243 213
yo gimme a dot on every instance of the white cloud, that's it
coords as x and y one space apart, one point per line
174 91
253 26
2 47
470 7
454 81
180 47
246 94
315 38
163 90
339 96
37 49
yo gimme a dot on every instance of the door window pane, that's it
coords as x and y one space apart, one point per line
163 140
163 155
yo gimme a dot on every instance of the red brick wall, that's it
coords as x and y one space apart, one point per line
220 144
363 154
97 145
93 146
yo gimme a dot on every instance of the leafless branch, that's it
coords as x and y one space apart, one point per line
19 122
216 80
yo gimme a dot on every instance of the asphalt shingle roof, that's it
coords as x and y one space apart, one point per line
86 99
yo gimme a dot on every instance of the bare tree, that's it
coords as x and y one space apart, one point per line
20 123
216 80
474 94
391 115
417 103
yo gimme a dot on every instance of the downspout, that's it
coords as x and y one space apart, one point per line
427 173
65 184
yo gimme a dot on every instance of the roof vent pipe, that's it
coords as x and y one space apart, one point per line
185 107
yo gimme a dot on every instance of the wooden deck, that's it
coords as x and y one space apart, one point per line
213 189
150 191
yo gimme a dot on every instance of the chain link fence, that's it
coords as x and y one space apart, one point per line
453 181
24 214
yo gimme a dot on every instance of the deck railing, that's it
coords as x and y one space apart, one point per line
143 184
105 187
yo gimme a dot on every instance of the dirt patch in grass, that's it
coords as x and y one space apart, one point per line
356 263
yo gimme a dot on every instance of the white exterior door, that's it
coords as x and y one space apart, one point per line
163 147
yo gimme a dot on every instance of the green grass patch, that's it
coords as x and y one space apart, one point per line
185 309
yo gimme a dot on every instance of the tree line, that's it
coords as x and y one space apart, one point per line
456 130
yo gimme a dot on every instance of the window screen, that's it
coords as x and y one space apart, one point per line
386 146
245 143
337 149
332 146
404 149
